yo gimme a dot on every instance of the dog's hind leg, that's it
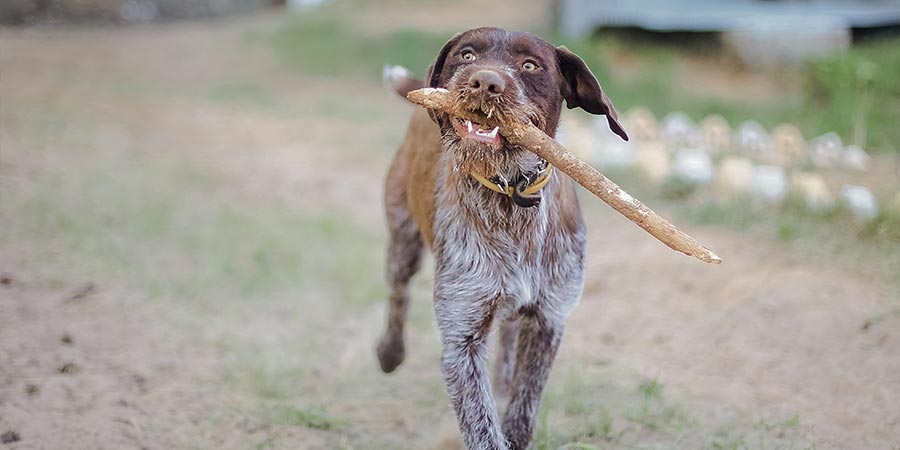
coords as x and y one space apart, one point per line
403 258
539 339
505 364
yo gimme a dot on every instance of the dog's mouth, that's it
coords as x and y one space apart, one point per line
477 132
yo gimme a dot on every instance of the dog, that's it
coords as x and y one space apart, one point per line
505 229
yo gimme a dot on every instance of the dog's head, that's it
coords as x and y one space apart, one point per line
498 72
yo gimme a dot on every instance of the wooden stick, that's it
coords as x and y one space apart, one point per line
523 133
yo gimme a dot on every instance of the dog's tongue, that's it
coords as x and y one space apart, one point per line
470 130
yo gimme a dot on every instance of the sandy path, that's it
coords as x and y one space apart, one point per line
764 332
768 331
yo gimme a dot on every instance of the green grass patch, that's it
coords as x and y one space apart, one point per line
244 94
855 93
263 281
316 418
820 235
174 231
322 42
737 214
653 83
832 234
761 435
651 390
612 414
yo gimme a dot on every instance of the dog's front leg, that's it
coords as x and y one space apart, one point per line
465 323
539 339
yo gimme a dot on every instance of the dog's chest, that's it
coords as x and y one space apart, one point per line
489 249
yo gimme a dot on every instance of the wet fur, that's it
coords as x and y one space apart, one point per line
496 264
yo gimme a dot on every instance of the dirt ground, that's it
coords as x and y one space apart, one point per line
93 358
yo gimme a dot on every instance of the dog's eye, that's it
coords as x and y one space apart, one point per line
468 56
529 66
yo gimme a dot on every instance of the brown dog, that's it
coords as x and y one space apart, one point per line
505 229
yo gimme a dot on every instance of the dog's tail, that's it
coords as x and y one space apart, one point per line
400 80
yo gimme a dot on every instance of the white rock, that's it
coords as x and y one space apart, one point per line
734 176
855 158
716 134
564 133
616 155
694 165
653 161
608 150
304 4
860 200
811 189
138 11
769 183
580 139
790 145
680 132
641 124
752 140
825 150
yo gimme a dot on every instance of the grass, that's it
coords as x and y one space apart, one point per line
213 259
650 390
760 436
245 94
180 234
855 93
578 414
172 230
833 235
819 235
323 43
316 418
612 414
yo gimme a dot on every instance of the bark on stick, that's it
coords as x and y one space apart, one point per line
525 134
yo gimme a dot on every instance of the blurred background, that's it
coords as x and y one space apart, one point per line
192 238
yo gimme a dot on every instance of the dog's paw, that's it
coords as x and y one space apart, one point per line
391 352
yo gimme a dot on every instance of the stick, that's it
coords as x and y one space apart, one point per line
523 133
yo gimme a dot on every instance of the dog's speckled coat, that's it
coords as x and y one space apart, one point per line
495 261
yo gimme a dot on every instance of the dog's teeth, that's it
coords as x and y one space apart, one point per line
493 132
469 125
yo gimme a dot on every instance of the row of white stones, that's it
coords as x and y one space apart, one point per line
747 161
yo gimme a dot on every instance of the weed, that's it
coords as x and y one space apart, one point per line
267 443
857 94
316 418
578 446
651 390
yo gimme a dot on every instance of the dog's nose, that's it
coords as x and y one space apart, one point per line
487 82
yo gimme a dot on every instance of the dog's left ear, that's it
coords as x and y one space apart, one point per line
581 89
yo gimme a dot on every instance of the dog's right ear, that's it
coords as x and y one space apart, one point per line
435 69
